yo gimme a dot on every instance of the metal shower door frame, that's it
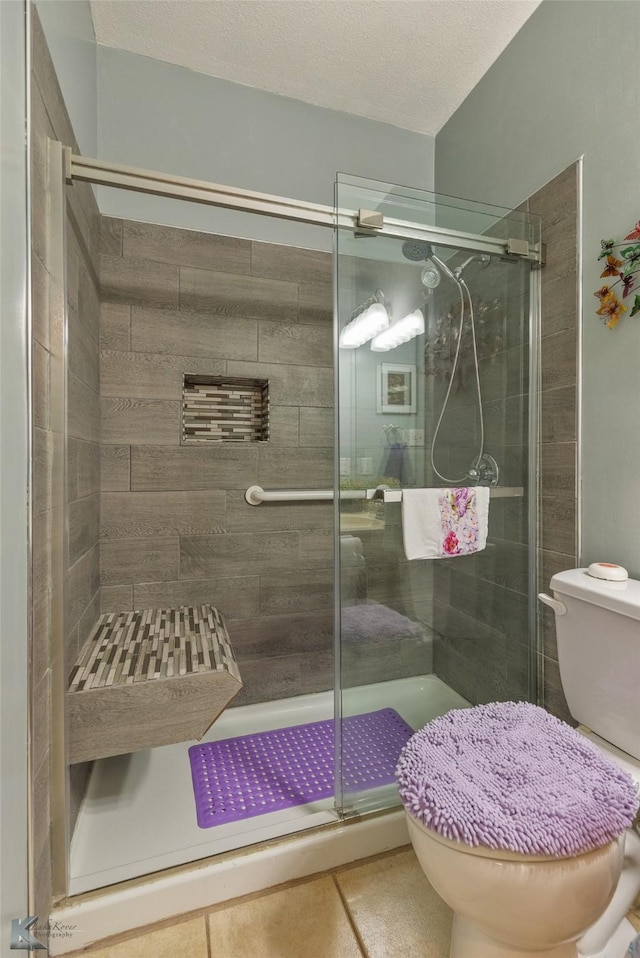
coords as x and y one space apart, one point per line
366 222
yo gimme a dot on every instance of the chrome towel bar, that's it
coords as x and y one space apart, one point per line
256 494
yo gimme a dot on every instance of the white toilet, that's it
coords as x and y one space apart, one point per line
512 905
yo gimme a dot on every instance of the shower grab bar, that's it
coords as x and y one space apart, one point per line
256 494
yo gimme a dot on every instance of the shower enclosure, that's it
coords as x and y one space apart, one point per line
407 359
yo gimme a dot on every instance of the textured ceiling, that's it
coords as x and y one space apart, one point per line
406 62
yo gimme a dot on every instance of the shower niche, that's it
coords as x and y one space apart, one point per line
224 409
149 678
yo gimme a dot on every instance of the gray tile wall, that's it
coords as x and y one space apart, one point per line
480 601
557 203
49 119
83 430
480 609
175 529
83 442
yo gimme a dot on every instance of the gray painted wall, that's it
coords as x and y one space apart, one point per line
13 453
163 117
548 99
68 27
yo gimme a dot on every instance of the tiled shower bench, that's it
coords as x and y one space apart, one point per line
148 678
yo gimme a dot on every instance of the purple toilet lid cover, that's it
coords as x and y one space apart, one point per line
511 776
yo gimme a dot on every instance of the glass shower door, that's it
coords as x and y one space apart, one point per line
433 392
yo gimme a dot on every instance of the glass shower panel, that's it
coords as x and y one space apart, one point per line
430 402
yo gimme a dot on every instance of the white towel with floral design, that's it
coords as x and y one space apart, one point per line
441 523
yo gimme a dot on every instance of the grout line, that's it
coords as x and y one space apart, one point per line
578 412
350 918
207 929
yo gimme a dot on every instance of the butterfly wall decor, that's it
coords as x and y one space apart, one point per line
620 268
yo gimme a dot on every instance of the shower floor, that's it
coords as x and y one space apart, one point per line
139 813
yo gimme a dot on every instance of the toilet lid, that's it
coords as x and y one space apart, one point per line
511 776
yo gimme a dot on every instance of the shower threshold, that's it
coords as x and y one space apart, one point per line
138 816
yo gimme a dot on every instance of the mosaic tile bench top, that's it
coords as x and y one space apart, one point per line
129 647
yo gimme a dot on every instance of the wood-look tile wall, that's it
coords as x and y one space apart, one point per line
175 528
557 203
49 120
480 601
83 447
480 612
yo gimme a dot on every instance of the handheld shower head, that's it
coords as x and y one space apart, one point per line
430 276
416 251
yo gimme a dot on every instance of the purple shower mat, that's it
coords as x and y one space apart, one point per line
237 778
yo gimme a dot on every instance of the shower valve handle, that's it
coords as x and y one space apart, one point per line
484 471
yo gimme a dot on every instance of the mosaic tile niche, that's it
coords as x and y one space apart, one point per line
218 409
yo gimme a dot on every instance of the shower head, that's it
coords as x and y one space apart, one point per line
416 251
419 252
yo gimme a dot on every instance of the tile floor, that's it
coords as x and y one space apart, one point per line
381 908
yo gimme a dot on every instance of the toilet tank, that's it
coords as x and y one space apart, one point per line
599 655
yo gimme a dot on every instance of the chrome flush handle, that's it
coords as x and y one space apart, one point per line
558 607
